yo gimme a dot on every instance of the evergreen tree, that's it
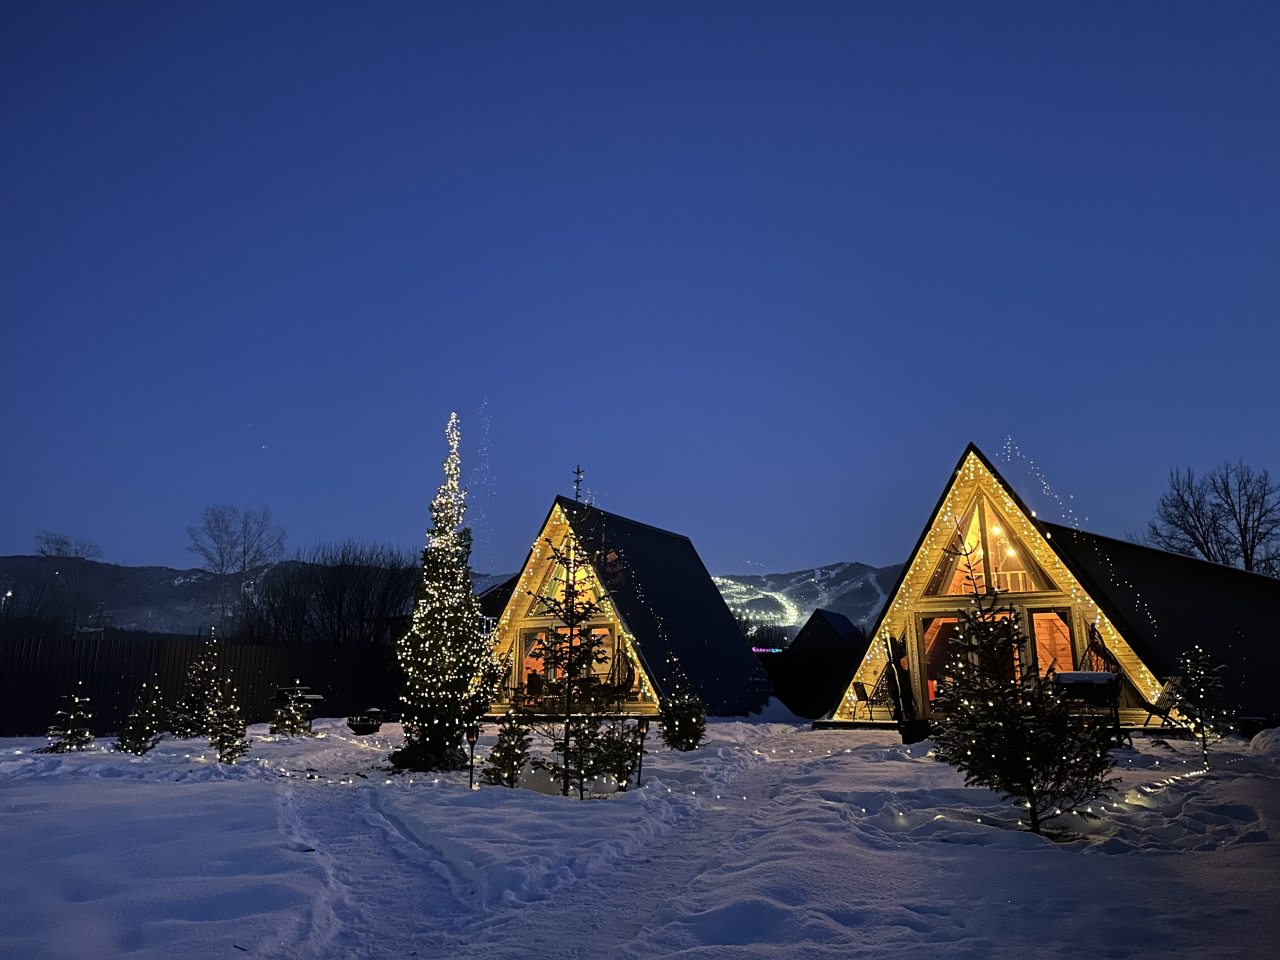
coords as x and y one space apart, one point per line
292 718
510 754
446 656
683 716
572 704
227 724
70 731
1199 698
1007 728
142 730
620 747
193 716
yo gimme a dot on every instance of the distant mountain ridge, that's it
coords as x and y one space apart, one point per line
857 590
168 600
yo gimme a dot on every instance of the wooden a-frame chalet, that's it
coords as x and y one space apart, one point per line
662 622
1086 602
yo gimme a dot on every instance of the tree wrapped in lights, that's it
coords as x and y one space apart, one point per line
70 730
1008 728
1199 698
450 672
193 716
683 716
227 730
620 747
146 721
292 718
510 754
572 702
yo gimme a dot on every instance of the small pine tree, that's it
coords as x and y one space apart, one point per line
1199 699
572 706
70 731
193 716
620 747
292 718
227 736
1008 728
142 730
683 716
510 754
446 656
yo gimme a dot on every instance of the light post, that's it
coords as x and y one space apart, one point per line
473 734
642 725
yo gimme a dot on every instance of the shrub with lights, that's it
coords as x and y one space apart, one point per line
1008 728
292 718
227 730
70 730
683 717
193 715
1198 698
446 656
145 724
620 747
510 753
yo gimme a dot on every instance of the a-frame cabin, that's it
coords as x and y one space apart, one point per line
662 621
1085 602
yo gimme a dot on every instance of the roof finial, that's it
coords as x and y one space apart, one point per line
577 482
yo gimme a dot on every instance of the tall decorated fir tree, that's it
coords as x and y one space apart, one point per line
193 715
143 727
450 673
1007 727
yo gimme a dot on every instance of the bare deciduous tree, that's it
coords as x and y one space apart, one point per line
341 594
232 542
1231 515
68 555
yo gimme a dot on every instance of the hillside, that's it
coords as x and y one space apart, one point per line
168 600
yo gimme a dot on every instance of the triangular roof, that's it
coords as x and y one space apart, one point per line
1149 605
825 630
975 475
679 622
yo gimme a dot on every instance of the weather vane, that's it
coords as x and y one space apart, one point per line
577 482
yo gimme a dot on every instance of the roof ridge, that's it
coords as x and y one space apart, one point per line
565 501
1171 554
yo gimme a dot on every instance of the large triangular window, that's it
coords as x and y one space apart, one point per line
554 586
985 553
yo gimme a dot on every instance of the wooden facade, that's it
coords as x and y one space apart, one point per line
979 516
663 623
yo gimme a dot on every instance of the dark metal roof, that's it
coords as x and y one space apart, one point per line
1162 603
494 600
811 674
664 594
826 630
1165 603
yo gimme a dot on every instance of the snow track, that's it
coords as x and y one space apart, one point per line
770 841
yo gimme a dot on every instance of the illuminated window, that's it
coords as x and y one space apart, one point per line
937 632
1052 632
531 664
984 550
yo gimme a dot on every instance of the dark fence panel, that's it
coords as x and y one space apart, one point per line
35 673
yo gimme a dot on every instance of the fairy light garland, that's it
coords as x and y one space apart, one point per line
973 479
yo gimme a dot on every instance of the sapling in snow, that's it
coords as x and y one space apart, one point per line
143 727
70 729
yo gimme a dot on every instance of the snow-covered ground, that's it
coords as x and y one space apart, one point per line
772 840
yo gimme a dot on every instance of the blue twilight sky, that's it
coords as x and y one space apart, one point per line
762 269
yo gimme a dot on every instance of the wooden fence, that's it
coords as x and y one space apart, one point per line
36 673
